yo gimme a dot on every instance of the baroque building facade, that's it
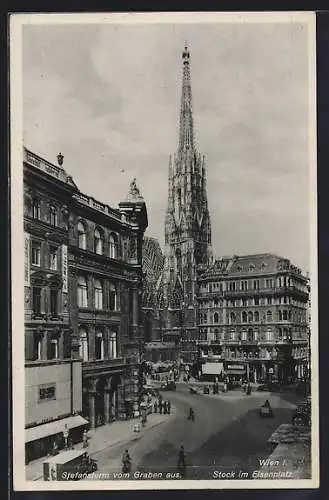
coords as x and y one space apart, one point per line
82 300
253 317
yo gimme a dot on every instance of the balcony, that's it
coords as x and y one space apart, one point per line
103 366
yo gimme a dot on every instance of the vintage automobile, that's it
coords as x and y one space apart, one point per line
194 390
168 386
69 464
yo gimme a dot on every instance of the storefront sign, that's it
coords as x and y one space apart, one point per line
26 259
236 367
64 267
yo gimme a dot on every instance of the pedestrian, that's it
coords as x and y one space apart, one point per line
169 407
126 462
155 406
85 439
66 436
181 457
160 407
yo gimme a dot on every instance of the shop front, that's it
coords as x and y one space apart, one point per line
235 372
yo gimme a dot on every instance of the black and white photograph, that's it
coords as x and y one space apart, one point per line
164 251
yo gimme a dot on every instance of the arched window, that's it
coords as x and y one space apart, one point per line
256 335
244 317
113 246
98 242
83 348
269 335
256 316
36 209
216 317
244 335
232 317
269 316
99 345
280 315
52 215
250 335
98 294
285 315
250 317
112 345
82 236
112 297
82 292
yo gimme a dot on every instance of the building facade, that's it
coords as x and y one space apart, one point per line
187 228
253 317
82 298
52 377
105 281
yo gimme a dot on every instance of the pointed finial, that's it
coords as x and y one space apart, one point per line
186 53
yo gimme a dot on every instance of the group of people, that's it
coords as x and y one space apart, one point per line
162 406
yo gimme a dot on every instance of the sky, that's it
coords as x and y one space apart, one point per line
108 96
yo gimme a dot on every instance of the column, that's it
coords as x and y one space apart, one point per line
106 342
255 375
135 307
276 371
106 406
91 292
264 371
44 345
91 339
61 345
91 397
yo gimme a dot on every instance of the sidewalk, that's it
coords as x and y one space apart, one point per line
109 435
291 454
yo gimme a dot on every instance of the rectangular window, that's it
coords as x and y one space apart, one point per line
47 392
53 301
256 300
269 301
53 349
36 299
256 284
36 254
53 258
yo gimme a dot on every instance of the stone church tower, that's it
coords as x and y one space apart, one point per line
187 225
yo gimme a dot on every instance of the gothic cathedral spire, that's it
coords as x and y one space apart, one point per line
186 133
187 223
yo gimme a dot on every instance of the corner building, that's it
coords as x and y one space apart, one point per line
82 300
253 318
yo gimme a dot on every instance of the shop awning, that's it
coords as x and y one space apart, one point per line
235 372
52 428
